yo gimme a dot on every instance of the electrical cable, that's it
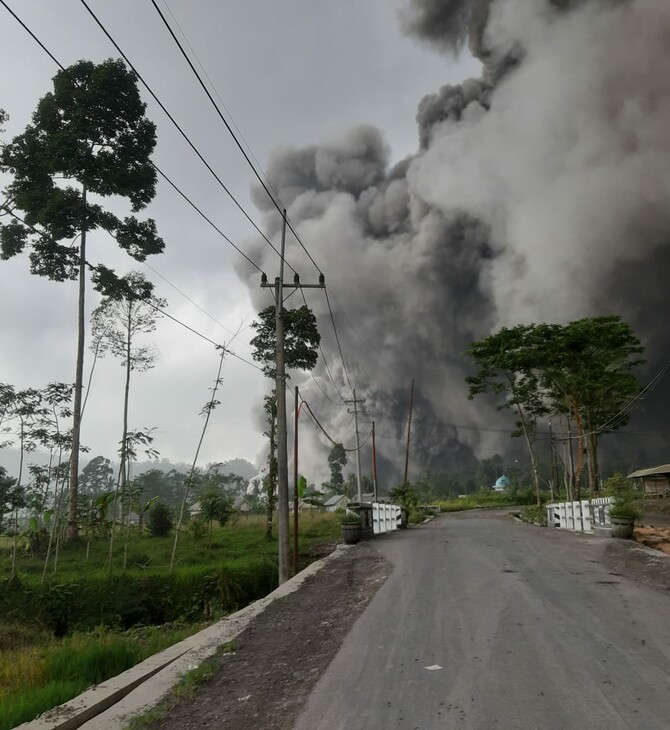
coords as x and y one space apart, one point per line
181 131
326 434
278 205
153 306
202 215
218 96
325 362
337 339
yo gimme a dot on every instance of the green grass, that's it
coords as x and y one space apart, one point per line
213 575
246 536
36 678
478 501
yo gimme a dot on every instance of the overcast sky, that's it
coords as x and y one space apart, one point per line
290 73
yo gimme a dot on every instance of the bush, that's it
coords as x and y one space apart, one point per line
534 515
160 520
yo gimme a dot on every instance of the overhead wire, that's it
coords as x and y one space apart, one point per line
337 338
182 132
218 345
201 157
218 96
325 362
326 434
273 198
62 67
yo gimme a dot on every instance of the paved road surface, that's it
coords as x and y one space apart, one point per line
528 627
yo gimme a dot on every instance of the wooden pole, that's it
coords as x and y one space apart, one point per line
409 428
374 463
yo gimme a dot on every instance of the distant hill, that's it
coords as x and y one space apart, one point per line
9 458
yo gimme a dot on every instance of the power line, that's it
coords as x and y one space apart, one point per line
273 198
202 215
33 36
218 345
218 96
337 338
325 433
325 362
181 131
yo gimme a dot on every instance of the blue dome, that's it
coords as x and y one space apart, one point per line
503 481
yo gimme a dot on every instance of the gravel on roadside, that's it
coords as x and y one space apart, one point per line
265 678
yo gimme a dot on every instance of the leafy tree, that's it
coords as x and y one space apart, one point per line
337 460
167 486
215 506
115 325
405 496
301 339
160 520
10 496
89 136
590 376
96 477
507 362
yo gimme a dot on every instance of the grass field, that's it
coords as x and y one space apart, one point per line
39 671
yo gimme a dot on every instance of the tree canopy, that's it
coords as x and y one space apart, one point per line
581 372
301 336
89 139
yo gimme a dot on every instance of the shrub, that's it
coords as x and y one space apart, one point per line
534 515
160 520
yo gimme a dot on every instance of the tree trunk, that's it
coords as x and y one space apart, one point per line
580 451
16 510
271 480
594 469
72 526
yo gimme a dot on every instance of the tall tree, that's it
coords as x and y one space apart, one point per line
507 366
88 137
97 477
301 342
116 323
337 460
301 337
590 372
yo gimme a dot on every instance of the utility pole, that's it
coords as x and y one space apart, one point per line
280 394
409 427
296 414
355 402
374 463
553 482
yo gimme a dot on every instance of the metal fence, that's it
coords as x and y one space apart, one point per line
385 517
580 516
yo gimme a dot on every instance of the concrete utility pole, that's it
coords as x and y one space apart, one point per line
355 402
280 395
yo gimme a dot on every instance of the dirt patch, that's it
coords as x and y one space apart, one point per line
627 557
654 537
275 663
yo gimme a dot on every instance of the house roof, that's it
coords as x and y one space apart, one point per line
654 470
335 499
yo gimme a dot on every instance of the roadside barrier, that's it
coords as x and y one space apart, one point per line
580 516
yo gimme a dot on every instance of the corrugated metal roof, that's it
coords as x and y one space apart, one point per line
663 469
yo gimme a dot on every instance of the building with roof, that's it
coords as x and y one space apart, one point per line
655 481
502 484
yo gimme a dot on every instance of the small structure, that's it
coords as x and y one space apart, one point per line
502 484
242 504
655 482
337 501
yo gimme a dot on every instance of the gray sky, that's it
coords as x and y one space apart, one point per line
291 73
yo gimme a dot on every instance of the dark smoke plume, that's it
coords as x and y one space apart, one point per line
540 192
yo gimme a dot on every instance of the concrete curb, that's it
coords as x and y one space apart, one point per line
112 704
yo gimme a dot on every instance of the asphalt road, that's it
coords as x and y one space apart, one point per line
487 623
